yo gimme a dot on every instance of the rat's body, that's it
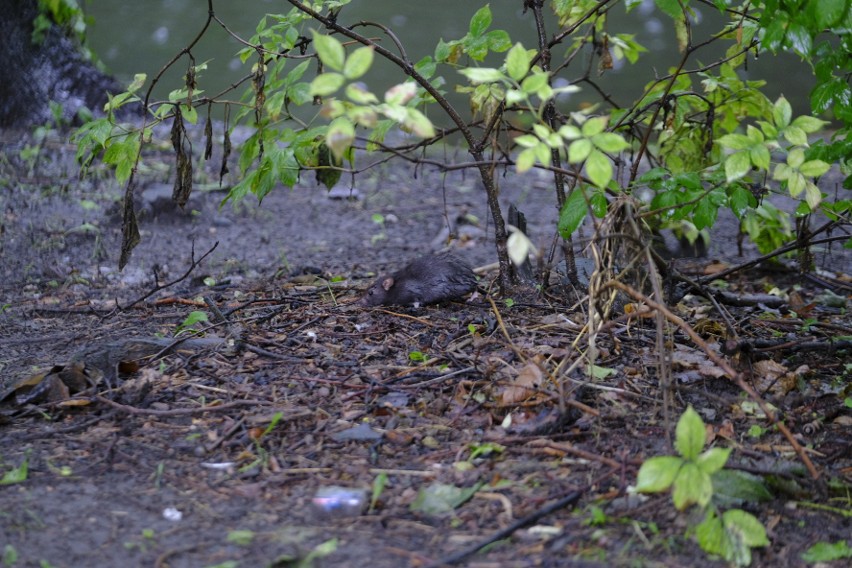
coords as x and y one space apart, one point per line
427 280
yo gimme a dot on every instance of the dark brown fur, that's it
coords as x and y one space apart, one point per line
428 280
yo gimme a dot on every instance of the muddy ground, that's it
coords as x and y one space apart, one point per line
211 451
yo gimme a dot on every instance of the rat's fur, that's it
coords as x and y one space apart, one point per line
428 280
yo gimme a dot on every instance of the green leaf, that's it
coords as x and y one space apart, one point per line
754 134
825 552
594 125
657 474
10 555
288 167
711 534
138 81
733 488
357 94
813 195
400 94
799 39
426 67
735 141
691 486
814 168
480 21
746 527
517 62
828 13
330 51
689 434
534 83
16 475
498 41
796 158
339 137
796 136
570 132
191 320
599 168
796 184
572 213
482 74
732 536
525 160
358 62
418 123
476 47
599 204
759 156
809 124
737 165
670 7
379 484
440 499
240 537
527 141
740 200
579 150
782 112
713 460
609 142
326 84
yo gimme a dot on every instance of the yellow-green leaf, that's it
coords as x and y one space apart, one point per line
357 94
526 160
609 142
657 474
691 486
330 51
782 112
812 195
594 125
599 168
737 165
689 434
713 459
339 137
326 84
814 168
358 62
579 150
517 62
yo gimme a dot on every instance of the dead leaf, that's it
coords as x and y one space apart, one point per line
524 386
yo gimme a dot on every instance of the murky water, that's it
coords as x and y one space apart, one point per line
133 37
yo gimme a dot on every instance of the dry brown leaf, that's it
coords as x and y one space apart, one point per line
726 430
524 386
776 378
715 267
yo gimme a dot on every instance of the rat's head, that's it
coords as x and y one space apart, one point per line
377 293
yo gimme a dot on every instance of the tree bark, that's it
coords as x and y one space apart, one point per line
33 74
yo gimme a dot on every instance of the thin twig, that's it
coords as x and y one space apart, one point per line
458 557
157 287
180 411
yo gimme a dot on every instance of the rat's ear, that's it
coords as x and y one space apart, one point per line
387 283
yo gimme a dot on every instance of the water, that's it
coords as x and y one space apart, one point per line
133 37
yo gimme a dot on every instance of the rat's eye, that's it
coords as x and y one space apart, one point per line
370 291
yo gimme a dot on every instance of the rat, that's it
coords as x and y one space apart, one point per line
430 279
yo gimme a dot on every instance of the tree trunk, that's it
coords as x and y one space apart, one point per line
33 74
